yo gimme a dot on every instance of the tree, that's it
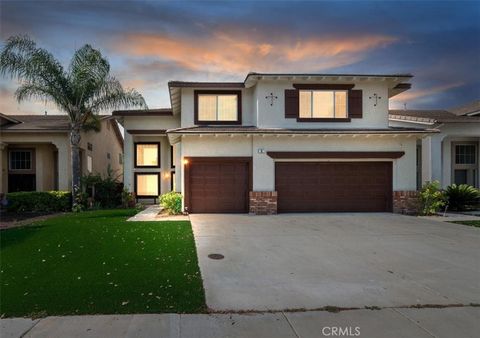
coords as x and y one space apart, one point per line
82 91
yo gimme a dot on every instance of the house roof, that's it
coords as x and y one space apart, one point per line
275 131
59 123
472 108
144 112
47 123
430 116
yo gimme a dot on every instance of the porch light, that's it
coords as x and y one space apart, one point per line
166 175
185 161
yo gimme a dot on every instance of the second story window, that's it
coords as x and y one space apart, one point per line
319 104
147 155
222 107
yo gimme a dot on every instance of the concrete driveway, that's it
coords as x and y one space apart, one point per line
309 261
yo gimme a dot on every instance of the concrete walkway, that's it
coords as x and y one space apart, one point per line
152 213
451 217
459 322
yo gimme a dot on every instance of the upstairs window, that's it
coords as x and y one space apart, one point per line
217 107
323 104
147 155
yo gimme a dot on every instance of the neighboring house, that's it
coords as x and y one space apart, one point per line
275 143
451 156
35 152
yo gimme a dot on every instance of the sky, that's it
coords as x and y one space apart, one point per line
149 43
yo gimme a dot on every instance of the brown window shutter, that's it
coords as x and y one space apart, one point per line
355 104
291 103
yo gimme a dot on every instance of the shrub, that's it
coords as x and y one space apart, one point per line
431 198
101 192
39 201
462 196
172 202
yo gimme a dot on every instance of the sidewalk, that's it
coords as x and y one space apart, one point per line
459 322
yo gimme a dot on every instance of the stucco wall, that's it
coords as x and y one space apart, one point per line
102 142
437 148
256 109
274 116
187 107
165 165
44 145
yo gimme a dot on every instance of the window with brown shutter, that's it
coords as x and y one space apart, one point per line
355 104
291 103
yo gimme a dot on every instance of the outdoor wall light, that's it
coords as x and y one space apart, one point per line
185 162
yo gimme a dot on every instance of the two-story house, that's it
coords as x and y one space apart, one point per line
275 143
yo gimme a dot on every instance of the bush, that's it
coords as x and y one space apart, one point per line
101 192
431 198
39 201
462 196
172 202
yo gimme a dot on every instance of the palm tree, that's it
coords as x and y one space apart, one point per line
82 91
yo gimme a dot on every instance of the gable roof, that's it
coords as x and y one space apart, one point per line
429 116
58 123
48 123
472 108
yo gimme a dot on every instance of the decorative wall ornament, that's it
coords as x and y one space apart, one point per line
271 97
376 97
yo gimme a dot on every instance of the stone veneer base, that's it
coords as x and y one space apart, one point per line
406 202
263 202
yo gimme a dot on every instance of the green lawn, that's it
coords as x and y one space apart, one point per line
471 223
96 262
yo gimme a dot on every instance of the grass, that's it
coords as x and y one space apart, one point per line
96 262
470 223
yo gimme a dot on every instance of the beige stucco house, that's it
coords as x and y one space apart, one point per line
275 143
35 152
452 155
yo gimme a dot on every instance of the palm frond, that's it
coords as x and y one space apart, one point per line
111 95
88 70
23 60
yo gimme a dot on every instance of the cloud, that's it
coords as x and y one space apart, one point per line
413 94
233 54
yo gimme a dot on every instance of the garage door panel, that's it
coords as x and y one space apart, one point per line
333 186
218 185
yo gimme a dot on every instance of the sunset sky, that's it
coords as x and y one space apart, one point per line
150 43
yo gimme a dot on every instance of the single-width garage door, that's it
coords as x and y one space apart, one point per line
216 185
333 186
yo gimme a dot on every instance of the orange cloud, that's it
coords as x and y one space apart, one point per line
226 53
413 94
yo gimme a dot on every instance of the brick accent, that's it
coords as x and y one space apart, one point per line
406 202
263 202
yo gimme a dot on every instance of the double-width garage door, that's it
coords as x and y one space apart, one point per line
333 186
217 185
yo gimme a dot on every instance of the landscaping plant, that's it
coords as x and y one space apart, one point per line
82 91
172 202
432 198
39 201
461 197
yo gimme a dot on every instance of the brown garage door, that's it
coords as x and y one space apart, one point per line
216 185
333 186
